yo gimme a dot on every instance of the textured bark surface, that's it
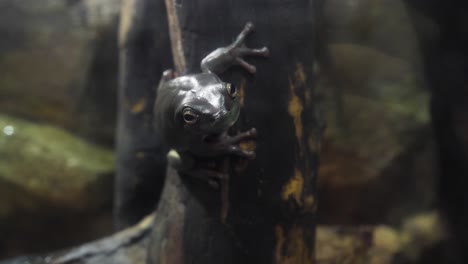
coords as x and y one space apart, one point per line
272 201
144 54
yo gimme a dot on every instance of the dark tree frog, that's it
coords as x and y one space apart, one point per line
193 113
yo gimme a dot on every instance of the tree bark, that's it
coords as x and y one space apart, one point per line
272 202
144 53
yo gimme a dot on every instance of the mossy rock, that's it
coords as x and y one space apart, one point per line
382 24
378 141
383 108
51 165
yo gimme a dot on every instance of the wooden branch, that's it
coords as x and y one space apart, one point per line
176 36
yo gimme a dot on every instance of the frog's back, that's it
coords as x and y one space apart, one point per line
189 82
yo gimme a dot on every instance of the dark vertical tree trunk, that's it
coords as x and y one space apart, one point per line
272 202
445 53
144 53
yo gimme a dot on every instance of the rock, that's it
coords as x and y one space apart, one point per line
51 180
52 164
58 63
381 243
381 24
377 162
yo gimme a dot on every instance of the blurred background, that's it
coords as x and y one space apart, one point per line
377 68
58 86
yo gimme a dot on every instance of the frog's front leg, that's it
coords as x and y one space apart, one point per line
222 58
225 144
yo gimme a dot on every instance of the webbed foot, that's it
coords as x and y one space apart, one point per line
222 58
226 144
238 49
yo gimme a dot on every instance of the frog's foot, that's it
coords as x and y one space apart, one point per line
229 144
222 58
238 49
249 134
239 52
237 151
249 27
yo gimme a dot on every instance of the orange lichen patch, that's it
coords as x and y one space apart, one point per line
292 248
295 109
294 187
138 106
241 94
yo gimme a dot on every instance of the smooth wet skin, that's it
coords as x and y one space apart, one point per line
193 113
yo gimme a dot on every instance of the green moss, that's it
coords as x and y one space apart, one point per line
49 162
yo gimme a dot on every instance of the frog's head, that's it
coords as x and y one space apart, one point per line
209 110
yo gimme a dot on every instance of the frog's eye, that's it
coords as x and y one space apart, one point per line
190 117
231 89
